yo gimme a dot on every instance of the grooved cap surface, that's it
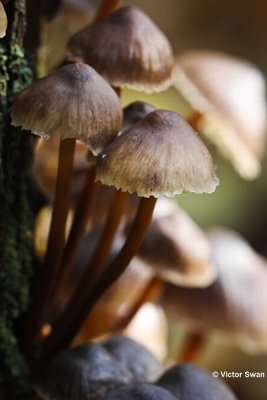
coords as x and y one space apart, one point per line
159 156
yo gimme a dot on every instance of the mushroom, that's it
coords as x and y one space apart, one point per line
142 391
187 381
178 251
136 358
127 49
228 94
82 372
229 308
172 157
3 21
78 103
173 160
134 112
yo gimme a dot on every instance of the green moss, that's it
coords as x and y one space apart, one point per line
16 151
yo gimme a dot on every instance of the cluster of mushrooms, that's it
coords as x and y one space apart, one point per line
102 170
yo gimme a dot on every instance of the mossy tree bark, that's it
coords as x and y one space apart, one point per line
15 211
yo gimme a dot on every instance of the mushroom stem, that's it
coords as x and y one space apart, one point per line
78 229
106 7
69 324
193 119
56 241
150 293
191 347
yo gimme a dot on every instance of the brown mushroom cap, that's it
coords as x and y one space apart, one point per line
159 156
230 93
74 100
134 112
234 305
127 49
3 21
178 250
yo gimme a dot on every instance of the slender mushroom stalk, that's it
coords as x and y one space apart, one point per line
191 347
3 21
78 228
132 113
150 291
78 103
173 160
106 7
72 318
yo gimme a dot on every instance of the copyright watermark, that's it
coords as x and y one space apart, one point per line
239 374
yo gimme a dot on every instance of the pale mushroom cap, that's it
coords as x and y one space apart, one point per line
74 100
230 92
3 21
178 250
159 156
127 49
233 307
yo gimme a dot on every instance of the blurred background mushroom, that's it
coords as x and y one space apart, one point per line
3 21
227 95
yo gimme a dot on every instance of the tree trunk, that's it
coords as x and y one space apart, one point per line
15 212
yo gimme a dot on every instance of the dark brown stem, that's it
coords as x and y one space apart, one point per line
77 232
56 241
62 335
192 346
106 7
150 293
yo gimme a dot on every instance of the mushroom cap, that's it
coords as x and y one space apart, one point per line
3 21
159 156
134 112
73 100
178 250
136 358
229 307
79 372
230 93
187 381
127 49
143 391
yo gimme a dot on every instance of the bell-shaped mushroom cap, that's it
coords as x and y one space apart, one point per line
142 391
73 100
136 358
3 21
127 49
229 307
83 372
187 381
134 112
230 93
178 250
159 156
